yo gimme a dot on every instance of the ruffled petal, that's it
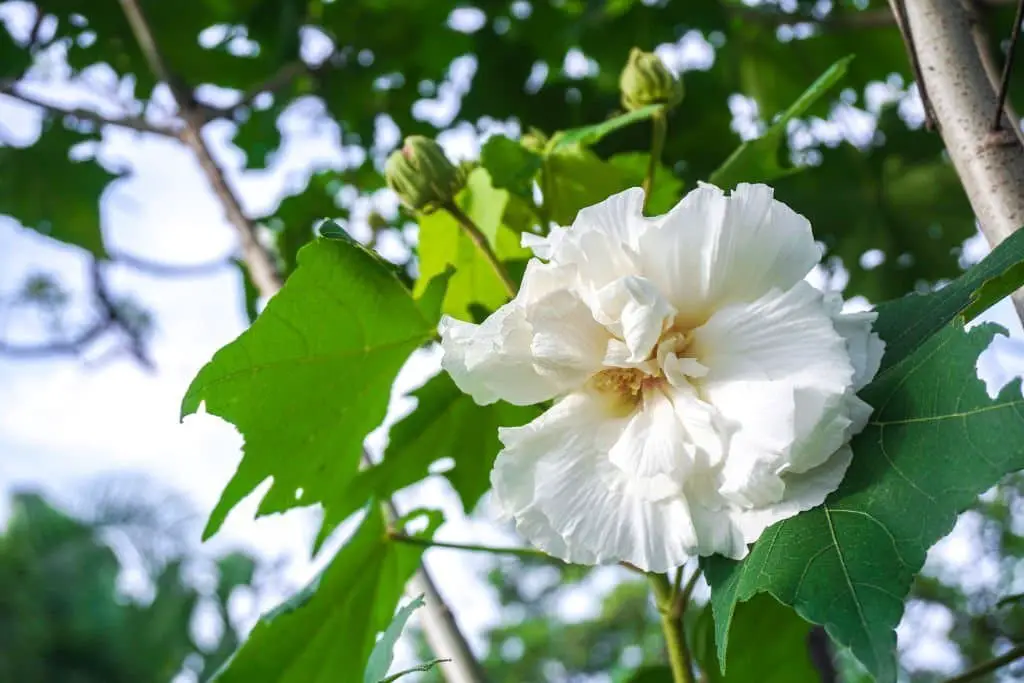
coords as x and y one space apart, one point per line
712 250
803 492
555 478
543 343
778 368
632 308
863 344
654 451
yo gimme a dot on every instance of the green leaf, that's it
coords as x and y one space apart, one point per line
767 644
994 290
445 424
46 191
758 160
296 216
906 323
383 652
576 178
327 631
311 377
667 190
512 166
250 294
935 442
443 244
652 674
589 135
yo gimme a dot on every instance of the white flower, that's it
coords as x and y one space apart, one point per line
704 390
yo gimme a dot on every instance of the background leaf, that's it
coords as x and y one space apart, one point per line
768 643
311 377
383 652
512 167
757 161
590 135
327 632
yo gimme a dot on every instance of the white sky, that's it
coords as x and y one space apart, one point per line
64 421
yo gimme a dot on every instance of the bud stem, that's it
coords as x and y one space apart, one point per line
481 243
660 124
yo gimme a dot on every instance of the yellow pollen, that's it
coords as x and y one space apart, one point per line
625 382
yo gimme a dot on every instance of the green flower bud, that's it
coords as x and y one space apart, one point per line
421 175
646 80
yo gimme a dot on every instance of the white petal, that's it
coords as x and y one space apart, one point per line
555 479
863 344
567 342
654 451
803 492
712 250
633 309
778 368
620 217
493 360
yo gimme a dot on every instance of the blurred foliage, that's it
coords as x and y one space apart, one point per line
371 66
65 619
881 187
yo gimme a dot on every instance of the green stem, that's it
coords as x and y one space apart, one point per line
470 547
988 667
672 625
660 124
478 238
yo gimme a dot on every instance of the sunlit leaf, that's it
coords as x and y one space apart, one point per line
311 377
512 167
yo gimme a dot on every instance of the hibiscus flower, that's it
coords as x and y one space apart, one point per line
703 390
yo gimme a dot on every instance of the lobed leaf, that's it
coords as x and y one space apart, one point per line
311 377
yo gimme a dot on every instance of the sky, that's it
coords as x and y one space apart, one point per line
66 421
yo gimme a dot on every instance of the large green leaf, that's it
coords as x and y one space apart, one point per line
935 442
44 189
311 377
768 643
758 160
327 632
906 323
443 243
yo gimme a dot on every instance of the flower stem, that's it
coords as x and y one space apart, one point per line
660 124
478 238
427 543
671 610
988 667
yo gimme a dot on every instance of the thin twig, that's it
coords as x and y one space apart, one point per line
480 240
976 16
899 11
1004 84
161 269
470 547
1011 655
262 268
133 122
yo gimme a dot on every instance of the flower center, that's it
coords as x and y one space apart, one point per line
626 384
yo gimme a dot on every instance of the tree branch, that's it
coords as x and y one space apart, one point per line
262 267
975 13
985 668
161 269
990 164
133 122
